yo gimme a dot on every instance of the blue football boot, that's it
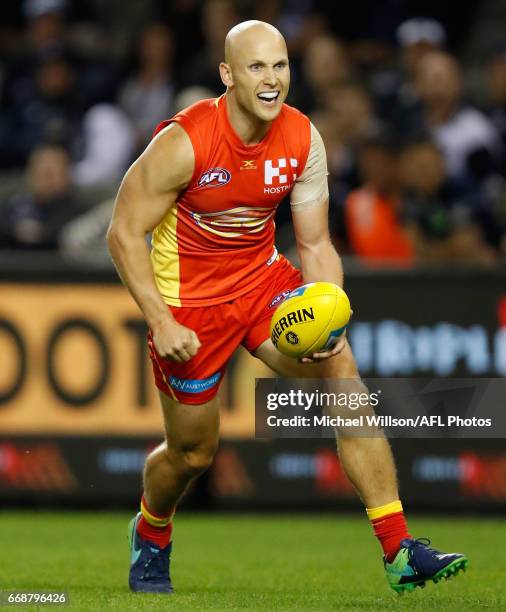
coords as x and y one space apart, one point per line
416 563
149 564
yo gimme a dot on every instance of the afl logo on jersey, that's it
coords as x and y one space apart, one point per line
215 177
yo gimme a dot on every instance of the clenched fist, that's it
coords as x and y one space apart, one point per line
175 341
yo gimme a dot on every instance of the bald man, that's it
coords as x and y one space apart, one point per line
207 187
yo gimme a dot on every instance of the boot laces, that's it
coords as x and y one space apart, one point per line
416 543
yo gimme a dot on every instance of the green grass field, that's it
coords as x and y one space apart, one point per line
231 562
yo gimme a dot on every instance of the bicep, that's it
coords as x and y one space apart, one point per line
153 182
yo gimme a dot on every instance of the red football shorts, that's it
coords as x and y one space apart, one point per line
221 329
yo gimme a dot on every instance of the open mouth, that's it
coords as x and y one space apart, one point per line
269 98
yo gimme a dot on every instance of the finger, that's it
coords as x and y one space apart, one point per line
322 355
177 353
195 343
306 360
327 354
338 347
193 349
190 347
183 354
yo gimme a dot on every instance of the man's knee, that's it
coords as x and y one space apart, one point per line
191 459
198 459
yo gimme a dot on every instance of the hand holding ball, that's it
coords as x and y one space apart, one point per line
311 319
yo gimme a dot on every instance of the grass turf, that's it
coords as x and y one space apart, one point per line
231 562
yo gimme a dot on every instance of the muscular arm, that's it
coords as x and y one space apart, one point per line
148 191
310 202
310 205
319 260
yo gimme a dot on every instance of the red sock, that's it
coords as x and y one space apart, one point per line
390 530
389 527
155 528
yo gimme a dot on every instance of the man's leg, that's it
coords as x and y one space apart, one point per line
369 464
191 440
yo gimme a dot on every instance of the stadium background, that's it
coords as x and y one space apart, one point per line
418 210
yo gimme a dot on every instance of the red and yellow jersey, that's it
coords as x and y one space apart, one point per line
218 240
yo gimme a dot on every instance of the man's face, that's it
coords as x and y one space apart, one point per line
438 79
49 173
260 74
422 169
325 63
55 79
379 168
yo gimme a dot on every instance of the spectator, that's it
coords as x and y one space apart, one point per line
108 147
48 30
417 37
326 66
100 141
393 88
353 112
353 119
218 16
46 23
49 109
496 90
337 160
373 212
34 218
122 20
444 214
467 139
147 96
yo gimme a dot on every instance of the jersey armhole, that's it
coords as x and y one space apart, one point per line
193 134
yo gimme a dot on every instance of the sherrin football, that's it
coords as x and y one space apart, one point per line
311 319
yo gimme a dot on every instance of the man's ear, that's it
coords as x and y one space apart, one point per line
226 74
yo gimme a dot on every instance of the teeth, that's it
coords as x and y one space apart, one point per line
268 95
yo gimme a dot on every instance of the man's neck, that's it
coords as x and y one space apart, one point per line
250 129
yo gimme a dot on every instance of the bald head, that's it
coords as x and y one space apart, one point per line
246 36
255 72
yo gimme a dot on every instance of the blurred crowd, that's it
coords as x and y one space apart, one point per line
412 111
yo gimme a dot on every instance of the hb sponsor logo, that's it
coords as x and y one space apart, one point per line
194 386
215 177
278 172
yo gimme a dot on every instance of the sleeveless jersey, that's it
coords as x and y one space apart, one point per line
217 242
